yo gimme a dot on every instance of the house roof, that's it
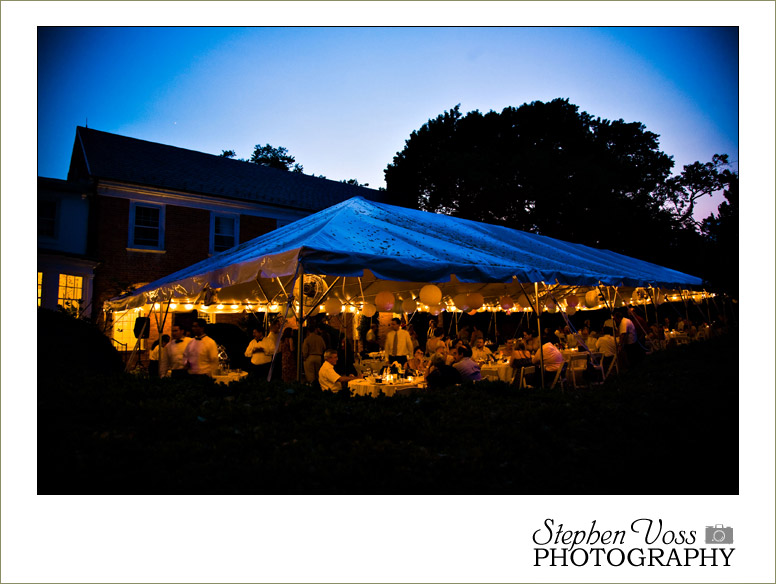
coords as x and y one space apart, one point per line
101 155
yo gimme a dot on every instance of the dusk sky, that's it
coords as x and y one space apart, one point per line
344 100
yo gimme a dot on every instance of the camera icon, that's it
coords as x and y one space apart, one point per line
719 534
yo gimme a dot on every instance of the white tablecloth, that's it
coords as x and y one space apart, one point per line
229 377
370 387
498 371
373 364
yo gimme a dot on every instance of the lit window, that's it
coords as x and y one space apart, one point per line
146 226
40 286
47 218
224 231
124 330
70 292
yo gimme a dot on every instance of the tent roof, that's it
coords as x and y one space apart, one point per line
383 242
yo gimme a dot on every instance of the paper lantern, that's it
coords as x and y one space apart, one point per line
551 306
475 300
461 302
660 297
435 309
571 310
506 302
333 306
409 305
591 299
368 310
522 301
384 301
572 301
430 294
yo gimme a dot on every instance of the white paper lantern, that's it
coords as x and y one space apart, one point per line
475 300
409 305
461 302
551 306
435 309
522 302
333 306
385 301
430 294
572 301
591 299
571 310
369 310
506 302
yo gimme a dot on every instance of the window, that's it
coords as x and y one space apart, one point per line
224 232
70 292
146 226
124 330
47 218
40 286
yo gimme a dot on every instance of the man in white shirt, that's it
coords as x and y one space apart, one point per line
480 352
261 350
174 361
201 353
398 344
329 379
628 337
553 361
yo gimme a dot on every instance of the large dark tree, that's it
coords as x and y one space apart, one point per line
274 158
542 167
721 232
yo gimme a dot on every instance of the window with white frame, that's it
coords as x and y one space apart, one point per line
40 286
71 291
224 231
124 330
146 226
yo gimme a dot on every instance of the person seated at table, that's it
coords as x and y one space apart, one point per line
440 374
329 379
506 351
469 370
418 364
521 357
531 342
480 352
606 346
553 361
436 340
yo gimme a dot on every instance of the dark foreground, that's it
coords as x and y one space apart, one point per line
669 428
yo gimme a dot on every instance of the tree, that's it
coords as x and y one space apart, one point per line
274 158
228 154
549 168
721 233
680 193
354 181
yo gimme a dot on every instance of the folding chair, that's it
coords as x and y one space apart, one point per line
597 363
520 381
612 366
559 376
576 364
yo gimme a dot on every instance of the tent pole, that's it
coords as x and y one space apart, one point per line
300 322
539 328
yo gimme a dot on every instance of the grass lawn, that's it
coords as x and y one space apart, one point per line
671 427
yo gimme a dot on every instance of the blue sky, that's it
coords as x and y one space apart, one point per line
344 99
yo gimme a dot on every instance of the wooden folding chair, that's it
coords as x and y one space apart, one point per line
559 377
575 365
520 381
597 363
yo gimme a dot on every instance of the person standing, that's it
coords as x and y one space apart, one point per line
288 351
398 344
255 352
628 338
201 354
155 357
313 348
175 362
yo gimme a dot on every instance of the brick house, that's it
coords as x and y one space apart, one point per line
133 211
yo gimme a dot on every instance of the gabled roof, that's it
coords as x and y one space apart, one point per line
101 155
376 241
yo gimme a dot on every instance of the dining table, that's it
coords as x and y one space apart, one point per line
229 376
498 371
372 387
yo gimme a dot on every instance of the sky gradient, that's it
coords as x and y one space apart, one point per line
344 100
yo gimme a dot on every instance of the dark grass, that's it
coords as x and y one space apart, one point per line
671 427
